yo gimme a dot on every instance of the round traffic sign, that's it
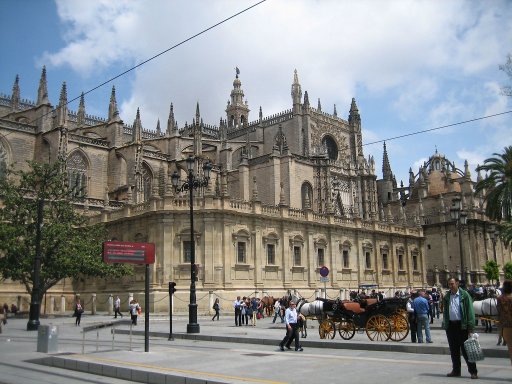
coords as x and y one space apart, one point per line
324 271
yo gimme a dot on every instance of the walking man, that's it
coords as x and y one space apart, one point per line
117 307
292 328
458 321
421 309
237 305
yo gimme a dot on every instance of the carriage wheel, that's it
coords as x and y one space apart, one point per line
399 327
378 328
327 329
346 328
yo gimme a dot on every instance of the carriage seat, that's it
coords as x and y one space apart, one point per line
353 306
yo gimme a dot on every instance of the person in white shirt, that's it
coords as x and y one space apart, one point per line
117 307
277 311
292 328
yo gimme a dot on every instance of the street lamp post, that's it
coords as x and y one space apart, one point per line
192 182
460 218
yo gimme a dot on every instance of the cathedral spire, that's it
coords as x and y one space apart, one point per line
319 106
197 133
296 91
113 113
306 99
80 116
15 99
42 92
335 113
62 109
137 128
386 167
158 130
171 123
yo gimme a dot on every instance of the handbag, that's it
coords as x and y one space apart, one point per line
473 349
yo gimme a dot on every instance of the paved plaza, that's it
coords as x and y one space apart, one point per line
223 353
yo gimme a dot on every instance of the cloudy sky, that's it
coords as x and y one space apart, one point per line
411 65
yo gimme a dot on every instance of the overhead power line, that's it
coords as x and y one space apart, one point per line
438 128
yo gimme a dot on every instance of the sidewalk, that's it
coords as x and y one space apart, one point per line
223 339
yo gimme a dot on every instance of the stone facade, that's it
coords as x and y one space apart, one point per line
450 249
288 194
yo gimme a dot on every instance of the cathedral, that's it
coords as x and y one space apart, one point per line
432 196
287 195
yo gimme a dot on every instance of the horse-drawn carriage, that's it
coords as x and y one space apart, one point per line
381 320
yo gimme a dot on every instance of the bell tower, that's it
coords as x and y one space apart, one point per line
237 110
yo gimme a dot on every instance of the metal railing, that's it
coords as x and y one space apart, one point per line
97 327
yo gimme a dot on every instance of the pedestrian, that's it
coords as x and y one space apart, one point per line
458 322
254 310
135 310
505 315
277 311
412 316
3 318
216 307
117 307
292 328
78 312
246 303
435 302
237 305
421 310
14 309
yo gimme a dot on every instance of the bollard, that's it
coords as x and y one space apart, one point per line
210 302
62 304
93 312
52 305
110 305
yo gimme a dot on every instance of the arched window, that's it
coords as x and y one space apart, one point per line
147 181
332 148
307 196
76 166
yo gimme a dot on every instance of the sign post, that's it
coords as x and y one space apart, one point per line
133 253
324 272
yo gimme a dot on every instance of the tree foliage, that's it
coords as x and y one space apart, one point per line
492 271
497 185
507 269
69 247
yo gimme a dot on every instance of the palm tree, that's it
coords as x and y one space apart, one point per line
497 185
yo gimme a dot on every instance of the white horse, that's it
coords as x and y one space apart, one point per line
486 308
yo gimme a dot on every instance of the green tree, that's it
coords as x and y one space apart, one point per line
507 269
69 248
492 271
497 185
506 232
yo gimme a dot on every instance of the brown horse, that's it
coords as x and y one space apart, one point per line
268 305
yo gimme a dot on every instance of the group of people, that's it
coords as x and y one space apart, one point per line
458 319
247 308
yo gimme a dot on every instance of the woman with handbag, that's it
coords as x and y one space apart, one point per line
78 312
505 314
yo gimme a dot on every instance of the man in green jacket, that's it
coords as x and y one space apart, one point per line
458 321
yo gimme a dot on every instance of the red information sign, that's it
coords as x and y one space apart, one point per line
127 252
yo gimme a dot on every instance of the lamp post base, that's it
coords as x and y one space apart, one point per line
33 321
193 328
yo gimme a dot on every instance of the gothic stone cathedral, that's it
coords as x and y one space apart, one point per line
288 194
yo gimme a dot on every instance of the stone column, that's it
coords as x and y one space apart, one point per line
211 299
